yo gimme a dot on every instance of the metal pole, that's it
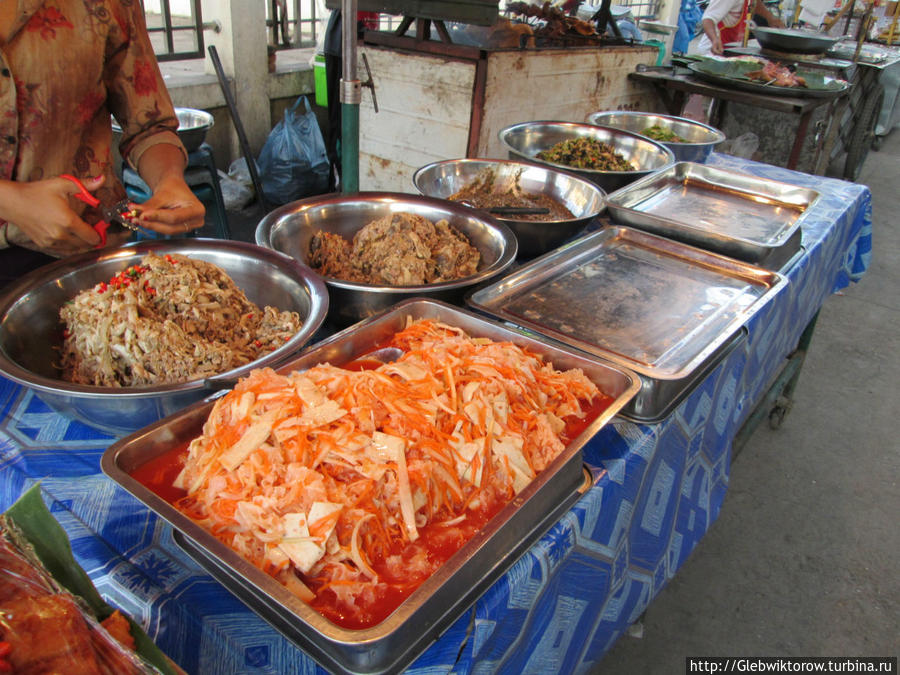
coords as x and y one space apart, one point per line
351 96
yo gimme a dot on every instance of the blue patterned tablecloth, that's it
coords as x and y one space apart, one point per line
656 490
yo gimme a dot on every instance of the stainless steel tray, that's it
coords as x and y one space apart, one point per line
395 642
753 219
656 306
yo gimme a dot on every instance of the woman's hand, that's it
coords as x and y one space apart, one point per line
42 211
173 209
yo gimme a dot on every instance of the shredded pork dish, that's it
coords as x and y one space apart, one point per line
586 153
168 319
400 249
351 486
485 192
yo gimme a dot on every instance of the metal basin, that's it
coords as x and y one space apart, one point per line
584 199
31 333
793 41
289 228
525 140
699 139
192 127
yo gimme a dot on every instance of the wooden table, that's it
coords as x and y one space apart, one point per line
674 88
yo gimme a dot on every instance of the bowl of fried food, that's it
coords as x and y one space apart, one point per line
377 248
608 157
118 338
689 140
542 206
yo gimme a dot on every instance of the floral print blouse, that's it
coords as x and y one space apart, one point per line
66 66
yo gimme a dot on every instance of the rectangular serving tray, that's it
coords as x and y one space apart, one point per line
656 306
749 218
394 643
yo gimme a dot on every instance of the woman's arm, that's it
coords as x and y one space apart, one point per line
712 32
173 208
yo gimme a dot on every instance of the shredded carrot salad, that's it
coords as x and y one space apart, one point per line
352 486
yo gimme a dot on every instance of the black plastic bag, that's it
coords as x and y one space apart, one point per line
293 163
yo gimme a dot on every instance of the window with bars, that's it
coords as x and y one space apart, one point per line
176 26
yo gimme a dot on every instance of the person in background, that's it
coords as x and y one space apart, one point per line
65 65
724 21
333 49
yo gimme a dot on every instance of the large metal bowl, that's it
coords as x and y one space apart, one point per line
699 139
525 140
289 228
192 127
793 40
584 199
31 333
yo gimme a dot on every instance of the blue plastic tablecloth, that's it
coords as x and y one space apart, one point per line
656 490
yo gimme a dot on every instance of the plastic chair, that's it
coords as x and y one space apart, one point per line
201 176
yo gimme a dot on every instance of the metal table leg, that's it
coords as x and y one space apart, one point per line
778 400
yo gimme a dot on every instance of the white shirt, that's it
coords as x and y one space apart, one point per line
726 12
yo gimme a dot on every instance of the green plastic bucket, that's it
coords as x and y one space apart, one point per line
321 82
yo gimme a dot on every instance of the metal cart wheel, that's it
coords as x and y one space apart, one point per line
863 134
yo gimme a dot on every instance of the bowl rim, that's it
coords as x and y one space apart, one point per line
16 292
601 193
208 120
719 135
264 231
503 133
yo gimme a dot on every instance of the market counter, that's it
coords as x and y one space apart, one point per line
655 491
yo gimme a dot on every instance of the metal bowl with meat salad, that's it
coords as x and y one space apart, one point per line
605 146
586 153
121 380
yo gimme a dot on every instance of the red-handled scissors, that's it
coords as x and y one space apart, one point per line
121 213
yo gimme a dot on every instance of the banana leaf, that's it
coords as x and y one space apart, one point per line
737 69
50 544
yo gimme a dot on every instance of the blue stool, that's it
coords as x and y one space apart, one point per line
201 176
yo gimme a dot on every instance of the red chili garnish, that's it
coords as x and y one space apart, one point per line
170 259
66 335
250 316
257 343
101 287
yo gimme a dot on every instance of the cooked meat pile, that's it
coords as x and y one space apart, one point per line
485 193
777 74
401 249
43 628
168 319
586 153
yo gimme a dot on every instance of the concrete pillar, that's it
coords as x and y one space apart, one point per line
242 49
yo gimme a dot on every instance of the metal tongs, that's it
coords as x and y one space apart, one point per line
510 210
122 213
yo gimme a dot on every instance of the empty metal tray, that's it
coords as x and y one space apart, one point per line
657 306
753 219
395 642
